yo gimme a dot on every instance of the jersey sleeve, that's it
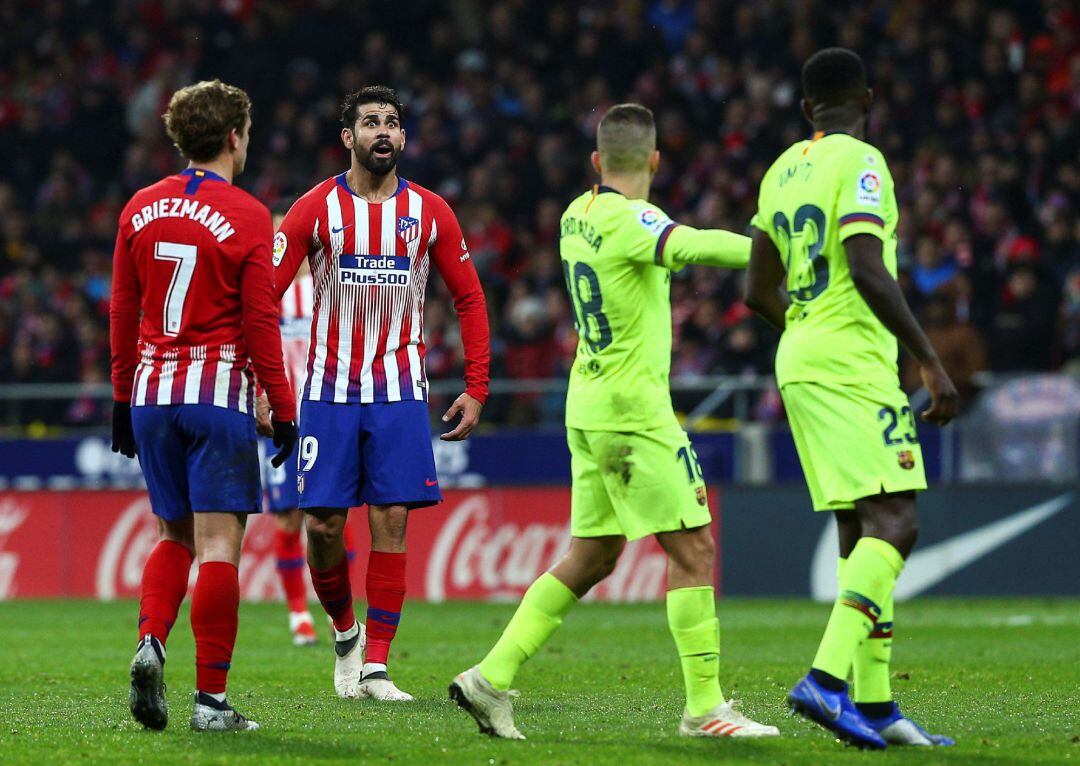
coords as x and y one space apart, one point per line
706 247
865 194
646 231
450 256
652 237
125 304
262 331
293 242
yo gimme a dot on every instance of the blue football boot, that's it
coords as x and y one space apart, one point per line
896 729
835 711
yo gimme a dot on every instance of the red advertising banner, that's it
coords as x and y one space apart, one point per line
479 544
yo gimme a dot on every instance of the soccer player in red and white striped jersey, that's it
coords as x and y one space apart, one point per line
192 298
372 238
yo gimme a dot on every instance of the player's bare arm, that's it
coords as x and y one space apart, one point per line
882 294
764 292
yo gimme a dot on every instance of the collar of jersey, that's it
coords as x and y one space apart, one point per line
202 173
817 135
401 184
602 189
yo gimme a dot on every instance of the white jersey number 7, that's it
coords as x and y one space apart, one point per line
184 257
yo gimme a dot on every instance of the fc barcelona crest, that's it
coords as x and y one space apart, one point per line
702 497
408 228
906 459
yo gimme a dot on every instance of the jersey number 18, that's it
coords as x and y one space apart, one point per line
587 301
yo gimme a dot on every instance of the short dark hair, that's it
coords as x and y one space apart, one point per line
626 138
370 94
201 116
833 76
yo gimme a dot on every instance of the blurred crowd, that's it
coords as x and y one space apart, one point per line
975 109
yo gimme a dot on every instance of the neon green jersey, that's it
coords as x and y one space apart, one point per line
617 257
816 195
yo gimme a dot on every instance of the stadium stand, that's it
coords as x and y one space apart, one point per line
976 109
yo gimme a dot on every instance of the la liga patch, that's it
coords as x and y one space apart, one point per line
653 220
868 189
281 243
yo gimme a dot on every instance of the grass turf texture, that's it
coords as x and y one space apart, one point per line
1001 676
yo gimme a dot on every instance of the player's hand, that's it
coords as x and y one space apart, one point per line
469 409
263 426
943 396
284 432
123 435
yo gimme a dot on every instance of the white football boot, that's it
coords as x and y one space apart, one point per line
491 708
147 695
724 720
210 715
349 662
376 684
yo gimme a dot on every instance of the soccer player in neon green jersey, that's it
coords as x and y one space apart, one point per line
826 220
634 470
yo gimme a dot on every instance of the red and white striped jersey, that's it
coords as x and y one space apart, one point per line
193 296
297 305
369 268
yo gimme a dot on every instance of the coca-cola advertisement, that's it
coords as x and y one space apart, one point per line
482 544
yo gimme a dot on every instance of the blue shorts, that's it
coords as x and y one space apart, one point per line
279 484
197 457
379 454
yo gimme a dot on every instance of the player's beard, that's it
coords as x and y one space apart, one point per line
376 165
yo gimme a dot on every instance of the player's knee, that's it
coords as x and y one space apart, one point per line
605 564
290 521
178 532
323 532
900 530
694 549
908 535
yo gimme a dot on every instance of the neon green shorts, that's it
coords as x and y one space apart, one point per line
635 484
854 441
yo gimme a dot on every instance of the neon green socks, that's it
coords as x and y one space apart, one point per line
868 580
692 618
540 613
872 659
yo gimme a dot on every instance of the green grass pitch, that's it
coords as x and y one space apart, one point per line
1002 676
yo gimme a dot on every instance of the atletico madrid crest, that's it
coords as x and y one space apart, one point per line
408 228
906 459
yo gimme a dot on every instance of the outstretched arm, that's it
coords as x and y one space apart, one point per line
764 291
882 294
680 246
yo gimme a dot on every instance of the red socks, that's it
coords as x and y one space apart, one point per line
350 546
213 621
334 590
385 595
164 584
289 551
